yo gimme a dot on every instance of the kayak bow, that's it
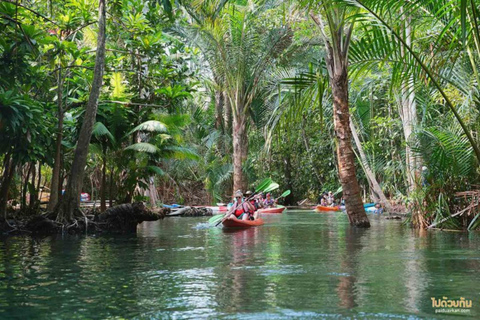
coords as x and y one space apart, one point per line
324 208
236 223
271 210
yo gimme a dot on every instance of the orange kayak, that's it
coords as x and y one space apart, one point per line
271 210
236 223
323 208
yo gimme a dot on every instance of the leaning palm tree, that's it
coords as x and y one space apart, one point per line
335 24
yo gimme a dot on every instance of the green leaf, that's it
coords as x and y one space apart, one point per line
150 126
143 147
156 170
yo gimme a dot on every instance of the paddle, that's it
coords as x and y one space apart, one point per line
262 186
286 193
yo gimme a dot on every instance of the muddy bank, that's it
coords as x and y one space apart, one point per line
120 219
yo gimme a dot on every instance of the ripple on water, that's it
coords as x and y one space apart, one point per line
188 249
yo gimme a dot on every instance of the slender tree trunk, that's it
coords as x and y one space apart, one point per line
152 191
103 187
219 106
240 149
110 192
34 194
54 193
71 200
408 114
25 185
227 116
368 172
7 177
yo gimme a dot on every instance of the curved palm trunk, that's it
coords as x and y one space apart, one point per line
71 201
346 158
240 150
337 63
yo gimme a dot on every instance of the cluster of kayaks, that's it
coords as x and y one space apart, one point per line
369 207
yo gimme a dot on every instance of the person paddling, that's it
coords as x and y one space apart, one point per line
269 202
240 209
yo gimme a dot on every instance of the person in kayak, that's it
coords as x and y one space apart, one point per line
252 214
240 209
323 201
269 202
330 199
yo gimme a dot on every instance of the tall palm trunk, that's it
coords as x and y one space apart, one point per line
240 149
337 63
71 200
346 158
408 114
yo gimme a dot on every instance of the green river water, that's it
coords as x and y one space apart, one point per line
300 265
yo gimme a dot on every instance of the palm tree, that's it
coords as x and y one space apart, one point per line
336 34
239 51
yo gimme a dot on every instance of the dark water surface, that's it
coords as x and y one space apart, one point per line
298 265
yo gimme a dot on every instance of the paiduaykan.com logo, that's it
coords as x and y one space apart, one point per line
446 305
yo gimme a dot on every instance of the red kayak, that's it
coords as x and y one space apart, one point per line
236 223
271 210
324 208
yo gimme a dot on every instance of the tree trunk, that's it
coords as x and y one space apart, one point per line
110 192
240 149
368 172
152 192
25 185
219 103
408 114
337 63
228 116
54 193
8 173
34 194
71 200
103 201
346 159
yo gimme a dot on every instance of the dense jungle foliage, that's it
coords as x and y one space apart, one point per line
201 97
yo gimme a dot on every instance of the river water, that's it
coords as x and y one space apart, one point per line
300 265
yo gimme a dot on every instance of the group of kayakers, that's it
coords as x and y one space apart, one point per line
327 199
245 208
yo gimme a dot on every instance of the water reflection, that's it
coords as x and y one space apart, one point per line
296 265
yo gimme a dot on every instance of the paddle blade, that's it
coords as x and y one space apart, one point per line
271 187
265 183
215 219
286 193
